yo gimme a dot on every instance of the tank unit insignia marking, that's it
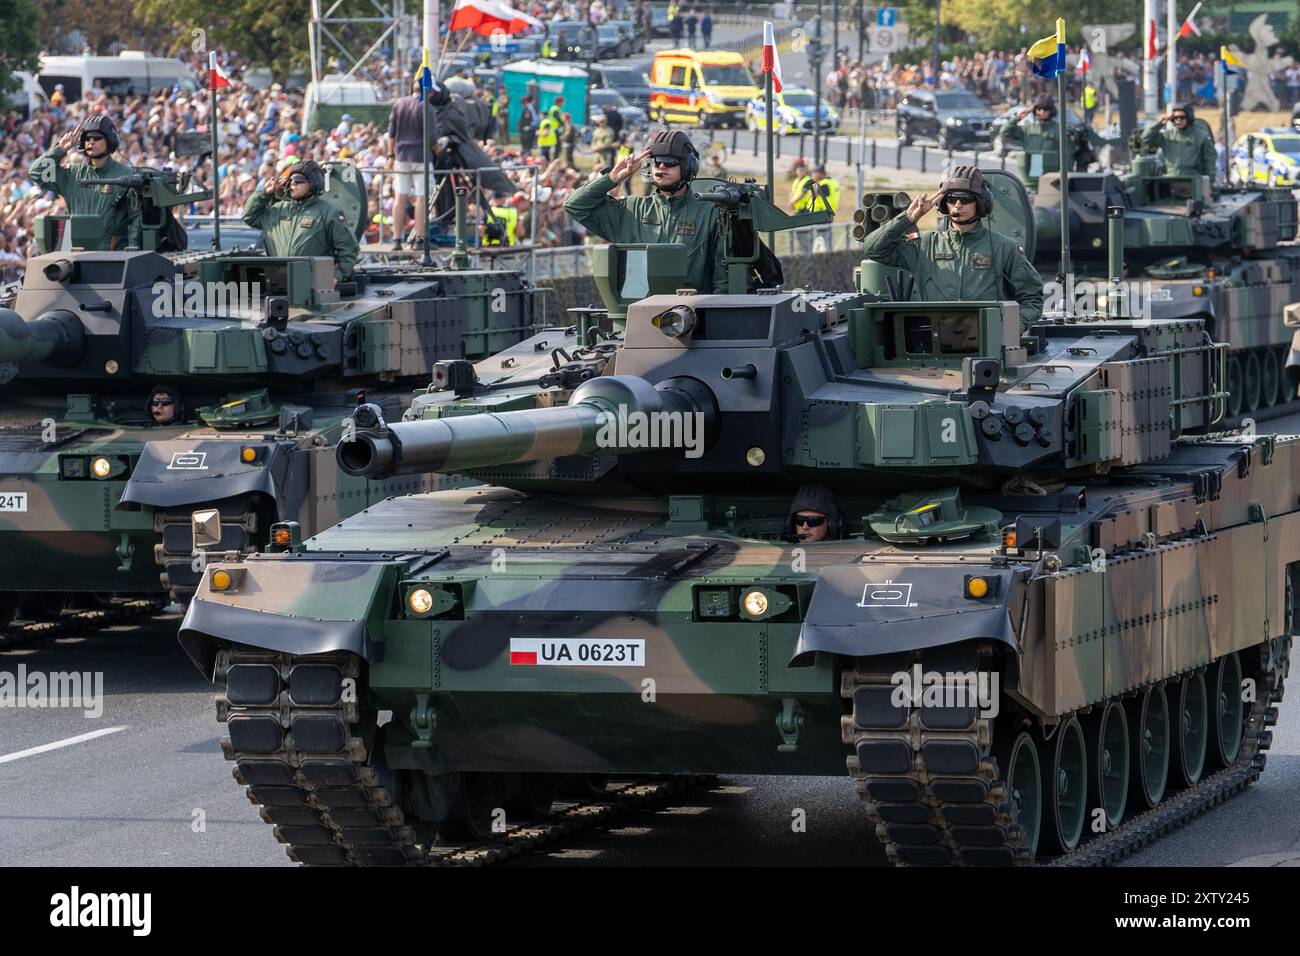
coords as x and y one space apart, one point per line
887 594
188 461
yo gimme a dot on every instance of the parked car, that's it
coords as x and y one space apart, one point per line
635 119
792 109
659 22
636 40
571 38
628 80
1277 157
954 119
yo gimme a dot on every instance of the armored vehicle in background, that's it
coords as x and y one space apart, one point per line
1228 258
267 358
1025 634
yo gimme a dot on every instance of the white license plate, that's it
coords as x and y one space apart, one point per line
13 501
575 652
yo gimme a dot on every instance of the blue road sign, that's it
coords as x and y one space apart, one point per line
885 16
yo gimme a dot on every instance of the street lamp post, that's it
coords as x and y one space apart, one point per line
938 23
815 55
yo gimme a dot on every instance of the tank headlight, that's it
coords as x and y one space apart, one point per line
282 537
977 587
755 457
248 455
101 467
676 322
1198 290
111 366
420 601
754 603
221 580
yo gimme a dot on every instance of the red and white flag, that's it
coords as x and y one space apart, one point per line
216 75
486 17
1189 27
771 59
1085 60
1152 49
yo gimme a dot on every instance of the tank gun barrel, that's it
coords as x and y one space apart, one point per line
56 338
597 417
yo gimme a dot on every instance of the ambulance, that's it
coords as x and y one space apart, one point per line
705 87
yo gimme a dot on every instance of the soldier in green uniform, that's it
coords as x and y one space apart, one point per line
295 221
117 208
1040 136
967 262
1188 148
670 214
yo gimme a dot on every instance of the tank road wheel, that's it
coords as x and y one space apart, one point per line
1285 392
42 605
1148 720
1270 379
1108 761
1024 783
532 795
1252 382
584 786
474 807
1065 786
1233 385
1227 725
1191 710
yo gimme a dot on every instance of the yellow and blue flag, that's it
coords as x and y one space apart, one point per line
1228 60
426 73
1048 54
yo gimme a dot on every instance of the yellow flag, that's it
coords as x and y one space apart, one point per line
1228 58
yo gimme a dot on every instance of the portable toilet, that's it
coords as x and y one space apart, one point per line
550 80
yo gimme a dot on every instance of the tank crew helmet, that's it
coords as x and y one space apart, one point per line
1046 103
677 145
315 175
967 179
460 86
816 498
103 126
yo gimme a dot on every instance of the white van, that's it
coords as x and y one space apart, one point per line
28 98
130 73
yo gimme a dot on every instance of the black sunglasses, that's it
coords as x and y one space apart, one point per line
164 402
669 162
90 136
959 197
1179 116
812 521
297 179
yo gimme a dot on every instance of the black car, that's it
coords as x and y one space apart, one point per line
628 28
571 40
660 25
955 119
635 119
628 80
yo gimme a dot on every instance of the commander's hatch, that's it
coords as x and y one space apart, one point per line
346 190
1013 211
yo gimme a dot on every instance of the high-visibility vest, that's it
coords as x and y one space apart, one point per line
546 133
797 194
508 216
1089 97
811 201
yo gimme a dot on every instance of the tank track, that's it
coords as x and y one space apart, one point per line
75 622
306 753
950 808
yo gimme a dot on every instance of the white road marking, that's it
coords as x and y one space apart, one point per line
58 744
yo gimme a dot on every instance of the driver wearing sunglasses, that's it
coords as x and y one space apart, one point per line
814 515
1187 147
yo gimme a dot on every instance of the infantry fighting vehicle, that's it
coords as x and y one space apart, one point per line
1225 257
1026 636
267 359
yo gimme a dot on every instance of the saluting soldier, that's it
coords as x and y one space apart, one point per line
295 221
670 214
1188 148
116 206
967 262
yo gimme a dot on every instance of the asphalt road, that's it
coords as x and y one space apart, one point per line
152 788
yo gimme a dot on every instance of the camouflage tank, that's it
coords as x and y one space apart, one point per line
1031 562
1227 257
266 358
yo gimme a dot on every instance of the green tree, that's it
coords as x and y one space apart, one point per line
108 26
20 44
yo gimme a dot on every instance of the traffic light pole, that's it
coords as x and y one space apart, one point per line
815 55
